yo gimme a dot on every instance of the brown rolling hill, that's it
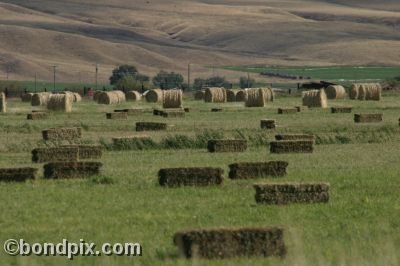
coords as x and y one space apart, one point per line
157 34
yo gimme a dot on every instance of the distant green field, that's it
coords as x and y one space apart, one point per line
336 73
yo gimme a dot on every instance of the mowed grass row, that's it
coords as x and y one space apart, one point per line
360 225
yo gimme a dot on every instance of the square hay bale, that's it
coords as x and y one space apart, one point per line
129 143
57 134
222 243
37 116
287 110
227 145
173 113
292 146
17 174
87 151
335 110
117 115
216 109
257 169
368 118
268 124
286 193
150 126
295 137
301 108
42 155
57 170
194 176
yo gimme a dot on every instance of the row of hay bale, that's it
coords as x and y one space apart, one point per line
366 91
255 97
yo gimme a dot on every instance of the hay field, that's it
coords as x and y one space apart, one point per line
359 226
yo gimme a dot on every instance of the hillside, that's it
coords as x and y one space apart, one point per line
156 34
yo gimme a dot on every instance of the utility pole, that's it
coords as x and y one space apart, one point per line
189 76
35 81
54 77
97 71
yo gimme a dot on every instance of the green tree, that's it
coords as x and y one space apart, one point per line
165 80
121 71
215 81
246 82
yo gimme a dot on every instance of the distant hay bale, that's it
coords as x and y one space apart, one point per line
26 97
199 95
40 98
60 102
111 97
154 96
366 91
241 96
96 95
315 98
231 95
3 103
17 174
77 97
227 145
258 97
133 96
172 98
58 170
215 95
335 92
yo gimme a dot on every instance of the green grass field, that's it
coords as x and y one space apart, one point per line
334 73
359 226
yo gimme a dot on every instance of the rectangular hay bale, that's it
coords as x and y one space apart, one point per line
193 176
222 243
287 110
257 169
368 118
267 124
37 116
150 126
87 151
227 145
58 170
117 115
335 110
58 134
292 146
17 174
286 193
42 155
130 111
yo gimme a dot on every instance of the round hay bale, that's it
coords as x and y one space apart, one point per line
335 92
315 98
374 91
60 102
154 96
172 99
40 98
111 97
353 92
3 103
77 97
258 97
199 95
96 95
215 95
26 97
231 95
362 92
241 95
133 96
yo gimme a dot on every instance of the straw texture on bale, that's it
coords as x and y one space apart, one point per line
259 97
366 91
36 116
315 98
335 110
267 124
241 96
96 95
286 193
150 126
215 95
40 98
335 92
26 97
77 97
227 145
368 118
287 110
231 95
154 96
257 170
60 102
87 151
17 174
59 134
57 170
3 103
133 96
111 97
223 243
172 98
195 176
199 95
292 146
42 155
